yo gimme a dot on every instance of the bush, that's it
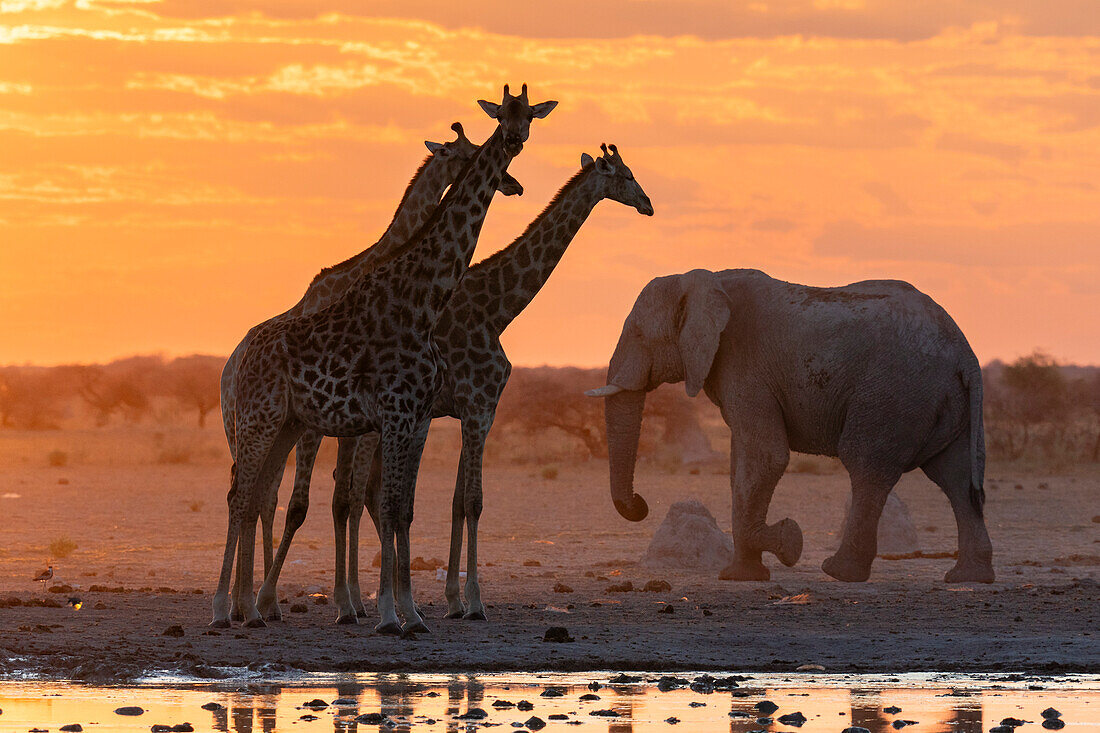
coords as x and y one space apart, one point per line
550 473
57 458
62 547
175 455
195 506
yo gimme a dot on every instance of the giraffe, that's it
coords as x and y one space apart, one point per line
442 166
366 363
489 297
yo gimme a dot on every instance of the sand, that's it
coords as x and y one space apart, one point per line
156 530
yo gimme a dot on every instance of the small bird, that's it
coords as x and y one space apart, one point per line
45 576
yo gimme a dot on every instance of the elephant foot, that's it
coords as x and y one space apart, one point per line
255 623
738 570
390 628
346 619
474 615
414 627
788 544
971 572
850 571
219 623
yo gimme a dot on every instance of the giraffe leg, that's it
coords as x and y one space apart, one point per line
305 455
394 447
455 609
473 448
341 508
362 468
413 621
222 601
267 525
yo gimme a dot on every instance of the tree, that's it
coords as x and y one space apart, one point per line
108 393
195 381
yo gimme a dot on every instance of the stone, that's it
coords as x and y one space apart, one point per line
183 728
795 719
524 706
672 721
1050 713
212 706
606 713
129 710
535 723
553 692
1002 729
503 704
474 714
315 704
624 679
160 728
657 586
173 630
299 608
557 634
892 710
689 537
562 588
558 716
897 535
1013 722
72 728
344 702
667 608
371 718
766 707
589 696
668 682
855 729
624 587
1054 724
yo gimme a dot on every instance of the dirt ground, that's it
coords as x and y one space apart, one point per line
149 538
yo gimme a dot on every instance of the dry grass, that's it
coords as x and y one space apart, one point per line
195 506
550 473
62 547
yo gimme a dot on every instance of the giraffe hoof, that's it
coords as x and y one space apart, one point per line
460 613
475 616
347 618
255 623
219 623
361 613
392 628
409 630
236 616
275 615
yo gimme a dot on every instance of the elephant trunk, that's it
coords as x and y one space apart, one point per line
623 412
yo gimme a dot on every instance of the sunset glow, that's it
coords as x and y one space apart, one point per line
173 172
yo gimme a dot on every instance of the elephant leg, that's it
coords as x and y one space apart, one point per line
859 544
951 470
305 455
341 509
758 458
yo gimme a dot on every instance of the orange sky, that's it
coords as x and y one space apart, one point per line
174 171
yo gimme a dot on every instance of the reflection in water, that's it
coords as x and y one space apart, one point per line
355 704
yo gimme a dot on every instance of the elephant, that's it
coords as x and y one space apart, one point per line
875 373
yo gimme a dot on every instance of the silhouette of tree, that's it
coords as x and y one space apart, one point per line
195 382
107 393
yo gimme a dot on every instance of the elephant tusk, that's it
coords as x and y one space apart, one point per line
605 391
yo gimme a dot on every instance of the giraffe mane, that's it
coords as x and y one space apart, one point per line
351 261
571 183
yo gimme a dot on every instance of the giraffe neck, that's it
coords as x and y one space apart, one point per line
416 206
513 276
436 257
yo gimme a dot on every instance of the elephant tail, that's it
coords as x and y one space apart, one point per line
972 380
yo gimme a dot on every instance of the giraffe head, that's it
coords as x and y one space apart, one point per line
514 114
616 181
454 155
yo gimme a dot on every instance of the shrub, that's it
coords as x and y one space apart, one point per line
175 455
57 458
195 506
62 547
550 473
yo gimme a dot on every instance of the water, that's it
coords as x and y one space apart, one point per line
938 703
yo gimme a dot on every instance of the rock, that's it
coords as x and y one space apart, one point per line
474 714
739 714
345 702
624 679
899 724
689 537
320 599
1054 724
212 706
896 533
129 710
625 587
667 608
371 718
532 564
1002 729
606 713
669 682
558 716
1096 519
183 728
535 723
160 728
696 704
1013 722
503 704
763 721
795 719
72 728
1050 714
892 710
307 717
299 608
672 721
767 707
315 704
589 696
553 692
557 634
524 706
562 588
173 630
657 586
593 686
855 729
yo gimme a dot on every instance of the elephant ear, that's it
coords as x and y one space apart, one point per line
704 313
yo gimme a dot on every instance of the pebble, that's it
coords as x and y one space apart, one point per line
1054 724
1013 722
593 686
344 702
1050 713
899 723
173 630
855 729
767 707
72 728
672 721
161 728
558 716
474 714
183 728
315 704
657 586
213 706
669 682
535 723
607 713
552 692
589 696
371 718
129 710
763 721
667 608
739 714
557 634
696 704
892 710
307 717
1002 729
503 704
524 706
796 719
562 588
